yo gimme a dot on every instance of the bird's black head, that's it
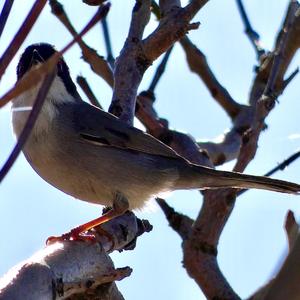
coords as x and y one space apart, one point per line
39 53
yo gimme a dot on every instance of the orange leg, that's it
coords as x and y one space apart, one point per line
120 206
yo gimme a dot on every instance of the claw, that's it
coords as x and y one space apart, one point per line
120 206
71 236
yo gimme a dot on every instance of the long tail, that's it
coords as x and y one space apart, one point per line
198 177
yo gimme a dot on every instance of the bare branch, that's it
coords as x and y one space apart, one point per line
167 5
155 9
5 13
36 74
201 249
193 7
93 2
184 144
250 32
278 56
291 45
130 65
284 164
71 268
20 36
98 64
87 90
198 64
182 224
159 71
286 284
267 101
110 57
217 205
291 228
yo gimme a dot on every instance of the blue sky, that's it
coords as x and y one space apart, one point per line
253 242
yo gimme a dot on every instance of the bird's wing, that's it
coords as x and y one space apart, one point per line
97 126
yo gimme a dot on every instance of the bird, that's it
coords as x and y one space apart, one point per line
93 156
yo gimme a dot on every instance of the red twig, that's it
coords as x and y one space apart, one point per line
21 35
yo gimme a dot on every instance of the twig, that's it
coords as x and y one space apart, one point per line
193 7
217 207
35 75
5 13
287 81
278 57
250 32
155 10
21 35
284 164
266 102
98 64
29 123
291 228
198 64
182 224
159 71
110 57
182 143
93 2
87 90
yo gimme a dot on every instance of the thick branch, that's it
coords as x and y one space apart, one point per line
130 65
71 268
167 5
138 55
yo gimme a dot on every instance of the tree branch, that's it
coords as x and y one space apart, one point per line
35 75
110 57
5 13
70 269
180 223
217 207
130 65
88 91
198 64
20 36
250 32
98 64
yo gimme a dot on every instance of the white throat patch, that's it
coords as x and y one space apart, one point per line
56 95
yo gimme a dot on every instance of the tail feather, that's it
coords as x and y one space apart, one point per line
199 177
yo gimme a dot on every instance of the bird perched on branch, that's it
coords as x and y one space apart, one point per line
93 156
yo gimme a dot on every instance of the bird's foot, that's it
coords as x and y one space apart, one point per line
73 235
120 206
